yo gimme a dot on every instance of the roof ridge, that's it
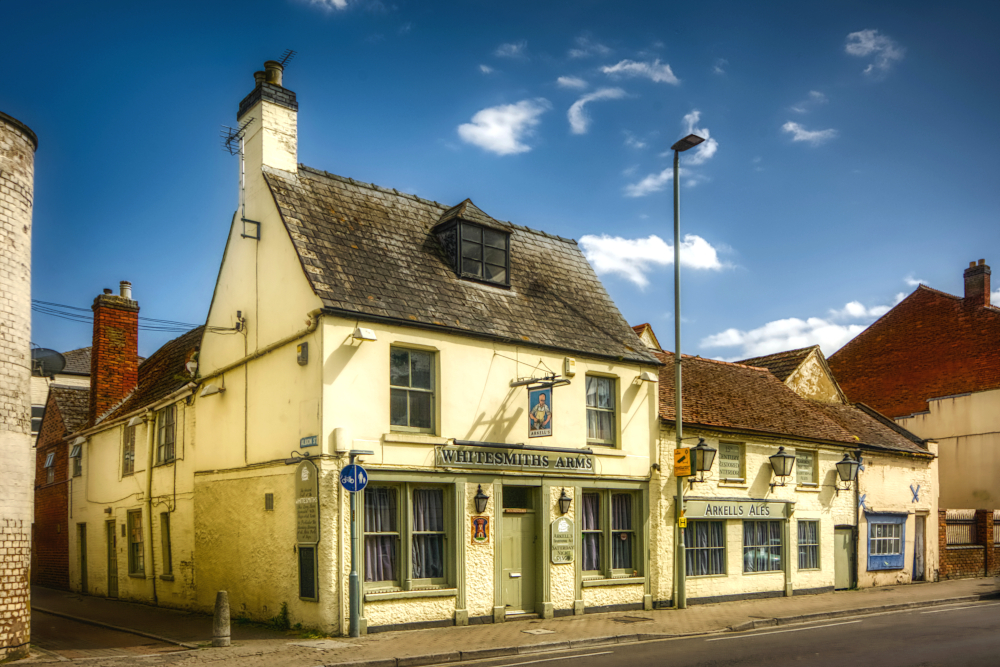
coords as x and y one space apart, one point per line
445 208
810 348
717 361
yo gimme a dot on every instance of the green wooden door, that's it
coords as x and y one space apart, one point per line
112 559
843 544
517 555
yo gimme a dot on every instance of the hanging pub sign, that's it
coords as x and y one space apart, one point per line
307 503
540 412
480 530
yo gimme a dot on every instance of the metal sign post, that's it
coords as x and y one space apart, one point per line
354 478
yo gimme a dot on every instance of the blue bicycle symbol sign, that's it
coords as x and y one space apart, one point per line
354 478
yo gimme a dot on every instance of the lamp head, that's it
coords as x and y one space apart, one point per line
690 141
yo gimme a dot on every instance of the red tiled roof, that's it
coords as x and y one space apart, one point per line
931 344
739 397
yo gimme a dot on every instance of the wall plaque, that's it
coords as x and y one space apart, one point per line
730 461
307 503
480 529
563 541
507 459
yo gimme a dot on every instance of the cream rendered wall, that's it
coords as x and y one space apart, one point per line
967 428
102 486
821 503
811 380
885 482
562 576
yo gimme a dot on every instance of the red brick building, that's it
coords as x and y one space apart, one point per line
931 345
65 412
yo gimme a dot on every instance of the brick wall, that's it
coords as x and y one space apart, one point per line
17 173
930 345
114 365
981 559
50 539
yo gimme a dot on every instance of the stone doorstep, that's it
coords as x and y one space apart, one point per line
504 651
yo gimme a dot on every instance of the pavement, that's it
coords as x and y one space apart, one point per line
255 645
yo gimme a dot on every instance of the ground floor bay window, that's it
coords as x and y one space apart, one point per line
406 539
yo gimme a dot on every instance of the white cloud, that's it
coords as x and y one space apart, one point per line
913 282
812 100
512 50
707 148
830 333
486 69
329 5
634 258
720 66
654 70
650 184
578 119
587 47
632 141
814 137
995 298
884 50
573 82
502 129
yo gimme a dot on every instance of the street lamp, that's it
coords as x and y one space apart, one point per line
481 499
688 142
782 464
702 456
564 502
847 471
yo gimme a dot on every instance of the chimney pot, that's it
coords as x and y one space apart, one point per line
972 265
273 70
259 78
107 290
126 289
982 262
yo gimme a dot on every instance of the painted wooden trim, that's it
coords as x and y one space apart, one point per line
623 581
404 595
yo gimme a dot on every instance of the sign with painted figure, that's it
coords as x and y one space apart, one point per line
507 459
563 541
307 503
682 462
539 413
736 509
480 530
354 478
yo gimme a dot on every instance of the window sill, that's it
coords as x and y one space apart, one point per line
406 438
733 483
409 595
166 577
808 488
751 574
607 450
137 575
707 576
809 569
621 581
964 546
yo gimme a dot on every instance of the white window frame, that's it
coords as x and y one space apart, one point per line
741 448
166 434
813 467
613 411
128 451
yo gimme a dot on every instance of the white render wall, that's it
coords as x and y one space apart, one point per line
17 169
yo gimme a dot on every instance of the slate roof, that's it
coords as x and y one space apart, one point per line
73 403
746 398
781 364
163 373
77 361
870 427
368 253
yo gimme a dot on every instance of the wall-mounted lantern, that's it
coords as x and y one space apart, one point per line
702 456
782 464
564 502
481 500
847 471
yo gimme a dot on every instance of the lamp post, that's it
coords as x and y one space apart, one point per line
680 595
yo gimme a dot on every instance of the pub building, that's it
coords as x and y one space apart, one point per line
793 490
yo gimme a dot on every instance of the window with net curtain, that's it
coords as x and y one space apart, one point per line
761 546
601 423
616 529
382 535
705 548
808 545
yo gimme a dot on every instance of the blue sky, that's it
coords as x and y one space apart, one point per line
853 146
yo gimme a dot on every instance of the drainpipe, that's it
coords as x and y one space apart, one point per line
150 419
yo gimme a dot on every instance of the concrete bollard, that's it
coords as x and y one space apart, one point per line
220 622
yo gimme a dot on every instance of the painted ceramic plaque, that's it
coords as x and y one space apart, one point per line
539 413
480 529
563 541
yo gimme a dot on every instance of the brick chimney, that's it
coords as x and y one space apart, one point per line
114 357
977 284
271 138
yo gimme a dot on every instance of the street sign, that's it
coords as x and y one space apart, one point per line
309 441
354 478
682 462
682 522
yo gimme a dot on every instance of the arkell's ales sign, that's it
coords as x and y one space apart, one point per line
512 459
734 509
307 503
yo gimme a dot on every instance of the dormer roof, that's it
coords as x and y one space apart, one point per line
471 213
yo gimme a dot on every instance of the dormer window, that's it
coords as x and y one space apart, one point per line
477 246
485 253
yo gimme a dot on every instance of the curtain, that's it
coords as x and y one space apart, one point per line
380 517
761 546
600 422
621 519
591 541
808 545
428 550
705 543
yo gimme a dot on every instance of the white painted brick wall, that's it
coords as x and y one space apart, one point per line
17 166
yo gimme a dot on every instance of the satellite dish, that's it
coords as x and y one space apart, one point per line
46 362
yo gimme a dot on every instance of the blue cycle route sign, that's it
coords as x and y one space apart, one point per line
354 478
